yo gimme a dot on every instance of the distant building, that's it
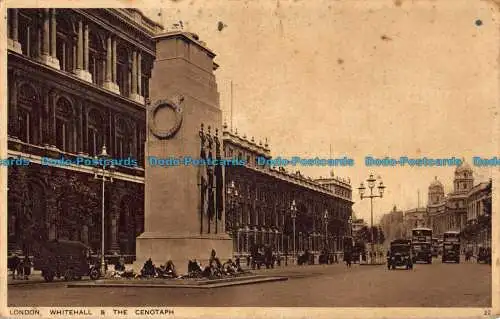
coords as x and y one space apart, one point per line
413 218
392 224
357 225
450 212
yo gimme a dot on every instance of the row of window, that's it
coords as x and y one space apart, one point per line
67 135
30 38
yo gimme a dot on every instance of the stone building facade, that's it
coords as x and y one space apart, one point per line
477 232
259 212
77 80
449 213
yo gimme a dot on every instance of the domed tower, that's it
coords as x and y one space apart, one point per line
464 180
436 192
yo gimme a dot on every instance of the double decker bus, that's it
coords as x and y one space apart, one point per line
451 246
421 244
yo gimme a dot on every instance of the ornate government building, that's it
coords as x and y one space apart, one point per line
467 209
78 80
259 199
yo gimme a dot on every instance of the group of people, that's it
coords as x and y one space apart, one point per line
20 268
214 268
149 270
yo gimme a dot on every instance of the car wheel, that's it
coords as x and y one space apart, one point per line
68 275
48 276
94 274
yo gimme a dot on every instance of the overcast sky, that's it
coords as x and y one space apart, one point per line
377 77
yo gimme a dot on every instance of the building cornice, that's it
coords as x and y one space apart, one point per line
297 181
76 168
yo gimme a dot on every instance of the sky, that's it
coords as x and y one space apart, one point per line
377 77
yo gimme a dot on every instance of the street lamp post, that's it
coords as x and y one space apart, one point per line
232 193
371 184
325 217
105 174
293 213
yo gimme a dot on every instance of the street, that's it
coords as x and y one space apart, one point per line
436 285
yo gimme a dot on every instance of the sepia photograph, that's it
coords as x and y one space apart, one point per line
281 156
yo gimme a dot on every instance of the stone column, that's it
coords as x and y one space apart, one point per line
46 30
135 93
110 76
13 35
109 61
139 74
45 56
86 50
134 73
80 71
114 61
53 32
52 120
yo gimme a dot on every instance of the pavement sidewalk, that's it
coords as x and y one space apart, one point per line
36 276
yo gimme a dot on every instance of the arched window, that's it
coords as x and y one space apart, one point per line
28 107
95 132
124 139
66 43
96 57
64 125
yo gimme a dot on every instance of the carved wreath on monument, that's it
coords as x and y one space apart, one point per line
165 130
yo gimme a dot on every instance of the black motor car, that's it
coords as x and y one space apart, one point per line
451 252
400 254
68 259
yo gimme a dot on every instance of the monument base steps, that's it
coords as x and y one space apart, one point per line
180 249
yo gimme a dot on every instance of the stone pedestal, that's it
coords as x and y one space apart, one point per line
84 75
138 98
50 61
183 95
111 86
14 46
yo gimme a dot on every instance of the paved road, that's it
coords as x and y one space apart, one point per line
436 285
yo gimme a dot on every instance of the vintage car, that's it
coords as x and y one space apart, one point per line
68 259
451 252
400 254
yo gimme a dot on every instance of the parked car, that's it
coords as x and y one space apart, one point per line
68 259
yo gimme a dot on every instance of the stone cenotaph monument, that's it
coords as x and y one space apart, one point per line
184 210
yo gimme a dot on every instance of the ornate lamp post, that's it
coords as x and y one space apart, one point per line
371 184
325 218
103 172
232 193
293 213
